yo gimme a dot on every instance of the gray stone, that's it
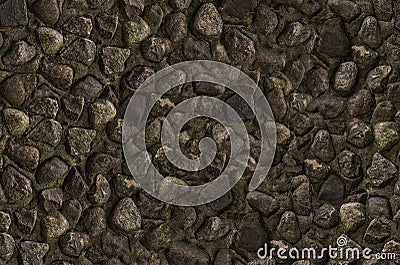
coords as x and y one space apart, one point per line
288 227
50 39
322 146
54 225
294 34
25 220
100 191
59 75
352 216
334 41
19 53
32 252
46 10
51 170
79 140
386 135
52 199
185 253
207 21
266 19
347 9
154 49
107 25
113 60
135 31
265 204
213 228
94 221
73 243
5 221
13 13
359 133
79 25
378 230
101 112
47 107
16 186
7 247
81 50
326 216
346 78
381 171
361 103
376 76
370 33
126 216
377 207
48 131
175 26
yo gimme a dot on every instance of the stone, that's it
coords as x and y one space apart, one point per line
316 81
26 156
194 49
252 234
361 103
153 15
347 9
213 228
315 169
238 10
332 190
175 25
79 140
107 25
352 216
16 186
350 166
54 224
346 78
378 230
381 171
265 204
88 87
383 9
79 25
239 47
301 199
278 103
322 146
288 227
51 170
135 30
5 221
359 133
13 13
180 4
46 10
376 76
326 216
283 135
52 199
101 112
50 39
74 185
59 75
223 256
47 107
73 243
19 53
17 121
15 88
154 49
73 106
126 216
100 191
7 247
270 60
208 22
72 210
334 41
116 246
113 60
99 163
364 57
94 221
294 34
48 131
393 55
25 219
386 135
32 252
81 50
182 252
266 19
377 207
370 33
384 112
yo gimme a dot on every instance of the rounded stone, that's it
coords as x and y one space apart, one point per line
101 112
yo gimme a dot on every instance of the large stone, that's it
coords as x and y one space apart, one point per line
50 39
352 215
46 10
346 78
207 21
113 60
334 41
59 75
16 186
101 112
48 131
135 31
381 171
126 216
79 25
7 247
294 34
79 140
347 9
322 146
370 33
185 253
252 234
51 170
288 227
13 13
81 50
33 252
265 204
386 135
54 225
19 53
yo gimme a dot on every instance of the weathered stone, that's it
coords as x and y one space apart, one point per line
94 221
101 112
48 131
79 140
378 230
107 25
16 186
181 253
19 53
100 191
207 21
376 76
348 10
46 10
79 25
352 216
370 32
252 234
334 40
346 78
54 224
5 221
265 204
50 39
48 107
17 121
386 135
113 60
15 88
51 170
266 19
213 228
359 133
73 106
25 220
81 51
326 216
7 247
13 13
59 75
135 31
73 243
381 171
175 26
126 216
33 252
294 34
